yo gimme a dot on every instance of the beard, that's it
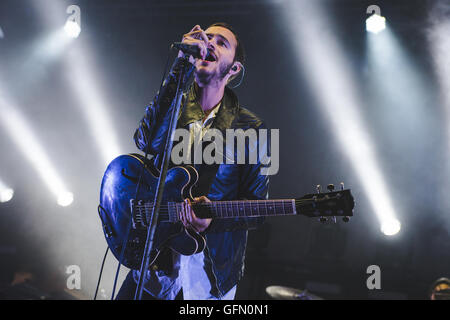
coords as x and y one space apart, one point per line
204 77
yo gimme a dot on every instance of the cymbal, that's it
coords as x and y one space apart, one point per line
441 294
286 293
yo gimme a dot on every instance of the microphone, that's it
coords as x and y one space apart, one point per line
189 49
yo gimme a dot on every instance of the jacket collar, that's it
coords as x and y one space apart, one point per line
192 110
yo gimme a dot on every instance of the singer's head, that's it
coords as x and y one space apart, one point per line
227 53
239 50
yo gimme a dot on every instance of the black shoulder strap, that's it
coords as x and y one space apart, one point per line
207 174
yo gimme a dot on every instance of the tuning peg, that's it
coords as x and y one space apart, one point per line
318 188
330 187
346 219
342 186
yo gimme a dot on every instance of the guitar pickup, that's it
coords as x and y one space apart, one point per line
138 216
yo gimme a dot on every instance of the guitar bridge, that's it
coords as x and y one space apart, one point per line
138 216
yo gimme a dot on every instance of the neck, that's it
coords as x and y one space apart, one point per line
209 96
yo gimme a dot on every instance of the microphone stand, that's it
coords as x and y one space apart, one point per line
160 186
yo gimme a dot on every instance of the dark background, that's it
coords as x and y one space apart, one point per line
129 43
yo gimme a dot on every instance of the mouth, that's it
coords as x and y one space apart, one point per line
211 57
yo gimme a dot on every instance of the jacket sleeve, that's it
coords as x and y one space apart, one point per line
253 185
151 134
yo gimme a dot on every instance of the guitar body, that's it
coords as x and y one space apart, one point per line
119 186
123 211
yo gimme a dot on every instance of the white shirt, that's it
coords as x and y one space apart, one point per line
199 128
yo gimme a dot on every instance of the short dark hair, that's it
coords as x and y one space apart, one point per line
239 54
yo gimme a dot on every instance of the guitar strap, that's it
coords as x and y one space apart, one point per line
207 174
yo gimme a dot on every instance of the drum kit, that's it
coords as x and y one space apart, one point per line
286 293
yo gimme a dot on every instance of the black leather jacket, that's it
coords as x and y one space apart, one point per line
226 238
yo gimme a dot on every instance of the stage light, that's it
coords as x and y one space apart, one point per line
390 227
2 35
6 193
26 141
65 198
375 23
73 23
322 60
72 29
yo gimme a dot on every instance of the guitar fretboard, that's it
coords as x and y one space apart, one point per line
240 209
223 209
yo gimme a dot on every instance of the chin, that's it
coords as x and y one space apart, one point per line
203 77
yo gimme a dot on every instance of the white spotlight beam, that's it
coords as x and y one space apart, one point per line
440 45
40 55
85 80
21 133
323 62
439 39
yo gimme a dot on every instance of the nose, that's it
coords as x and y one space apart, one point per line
211 45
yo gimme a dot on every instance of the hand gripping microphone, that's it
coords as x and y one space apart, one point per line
189 49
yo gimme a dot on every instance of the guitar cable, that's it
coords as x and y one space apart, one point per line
137 190
101 271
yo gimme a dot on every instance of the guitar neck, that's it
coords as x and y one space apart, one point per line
331 204
244 208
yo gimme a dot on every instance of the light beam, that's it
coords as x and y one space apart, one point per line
26 140
324 64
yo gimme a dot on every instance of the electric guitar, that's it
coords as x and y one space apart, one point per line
124 219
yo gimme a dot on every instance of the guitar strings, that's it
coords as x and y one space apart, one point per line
165 214
223 203
164 208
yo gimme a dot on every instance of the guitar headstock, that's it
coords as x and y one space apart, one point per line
329 204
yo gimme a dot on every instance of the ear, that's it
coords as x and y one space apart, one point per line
236 68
